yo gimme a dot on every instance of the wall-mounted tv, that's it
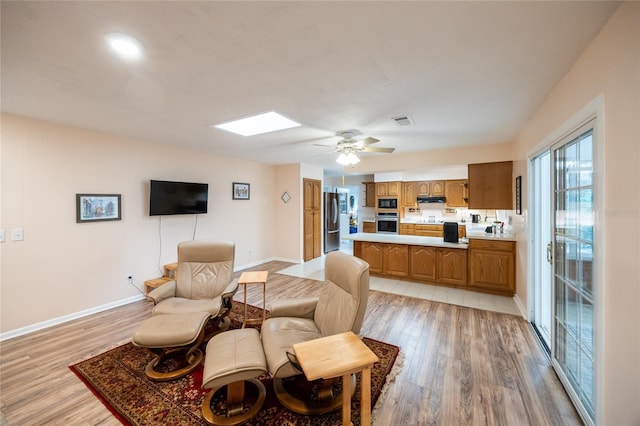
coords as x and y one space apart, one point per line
167 198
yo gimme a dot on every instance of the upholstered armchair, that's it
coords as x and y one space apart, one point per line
203 282
340 307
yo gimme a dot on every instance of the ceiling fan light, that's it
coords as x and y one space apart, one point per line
352 158
347 159
342 159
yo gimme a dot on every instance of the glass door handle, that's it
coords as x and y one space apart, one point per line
550 252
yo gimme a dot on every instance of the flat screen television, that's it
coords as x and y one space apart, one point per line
167 198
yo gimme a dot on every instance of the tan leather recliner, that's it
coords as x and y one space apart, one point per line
339 308
203 281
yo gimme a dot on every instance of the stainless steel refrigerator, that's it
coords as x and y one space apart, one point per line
331 222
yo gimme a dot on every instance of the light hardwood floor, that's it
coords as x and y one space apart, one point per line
461 365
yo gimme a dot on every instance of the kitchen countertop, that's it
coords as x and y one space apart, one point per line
480 235
413 240
426 241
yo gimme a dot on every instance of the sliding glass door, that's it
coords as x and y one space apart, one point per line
562 268
573 278
541 317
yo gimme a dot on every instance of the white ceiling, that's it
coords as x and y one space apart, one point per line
466 72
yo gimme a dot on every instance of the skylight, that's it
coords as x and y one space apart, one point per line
258 124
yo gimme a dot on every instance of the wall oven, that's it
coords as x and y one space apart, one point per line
387 223
387 203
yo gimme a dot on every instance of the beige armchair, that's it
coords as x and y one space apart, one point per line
339 308
203 282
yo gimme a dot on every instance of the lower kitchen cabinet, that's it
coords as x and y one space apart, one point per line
492 266
369 227
452 266
487 266
372 253
423 261
396 260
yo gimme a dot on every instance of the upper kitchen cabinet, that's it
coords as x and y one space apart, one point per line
370 194
490 185
430 188
388 189
423 187
409 194
455 191
436 188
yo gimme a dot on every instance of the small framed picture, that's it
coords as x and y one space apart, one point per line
240 191
519 195
98 207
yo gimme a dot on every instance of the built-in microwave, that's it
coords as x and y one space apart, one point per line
387 203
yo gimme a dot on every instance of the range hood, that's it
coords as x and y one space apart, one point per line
433 200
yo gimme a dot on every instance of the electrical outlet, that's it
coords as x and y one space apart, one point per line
130 279
17 234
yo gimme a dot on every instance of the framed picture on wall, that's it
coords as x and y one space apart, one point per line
98 207
240 191
519 195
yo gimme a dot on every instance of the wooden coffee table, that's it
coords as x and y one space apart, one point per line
340 355
254 277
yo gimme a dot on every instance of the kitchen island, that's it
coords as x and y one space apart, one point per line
484 262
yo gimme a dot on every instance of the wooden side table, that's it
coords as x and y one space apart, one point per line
340 355
254 277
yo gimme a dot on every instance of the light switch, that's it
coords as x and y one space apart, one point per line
17 234
3 236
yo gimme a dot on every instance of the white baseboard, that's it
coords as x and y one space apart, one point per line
521 307
65 318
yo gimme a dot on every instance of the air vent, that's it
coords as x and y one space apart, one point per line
402 120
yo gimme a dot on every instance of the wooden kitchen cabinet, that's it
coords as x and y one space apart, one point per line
372 253
423 230
423 187
423 261
369 227
407 229
409 194
452 266
388 189
396 260
436 188
491 185
370 194
455 191
430 188
492 266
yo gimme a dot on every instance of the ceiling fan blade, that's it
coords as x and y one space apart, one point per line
385 150
326 146
368 141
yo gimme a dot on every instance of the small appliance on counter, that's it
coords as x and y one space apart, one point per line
450 232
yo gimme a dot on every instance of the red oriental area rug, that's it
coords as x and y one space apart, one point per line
117 378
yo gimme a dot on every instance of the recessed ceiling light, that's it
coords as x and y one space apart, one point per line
125 45
258 124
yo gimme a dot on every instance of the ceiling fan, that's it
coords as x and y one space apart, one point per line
349 146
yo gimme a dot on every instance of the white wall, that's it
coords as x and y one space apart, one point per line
609 68
62 267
